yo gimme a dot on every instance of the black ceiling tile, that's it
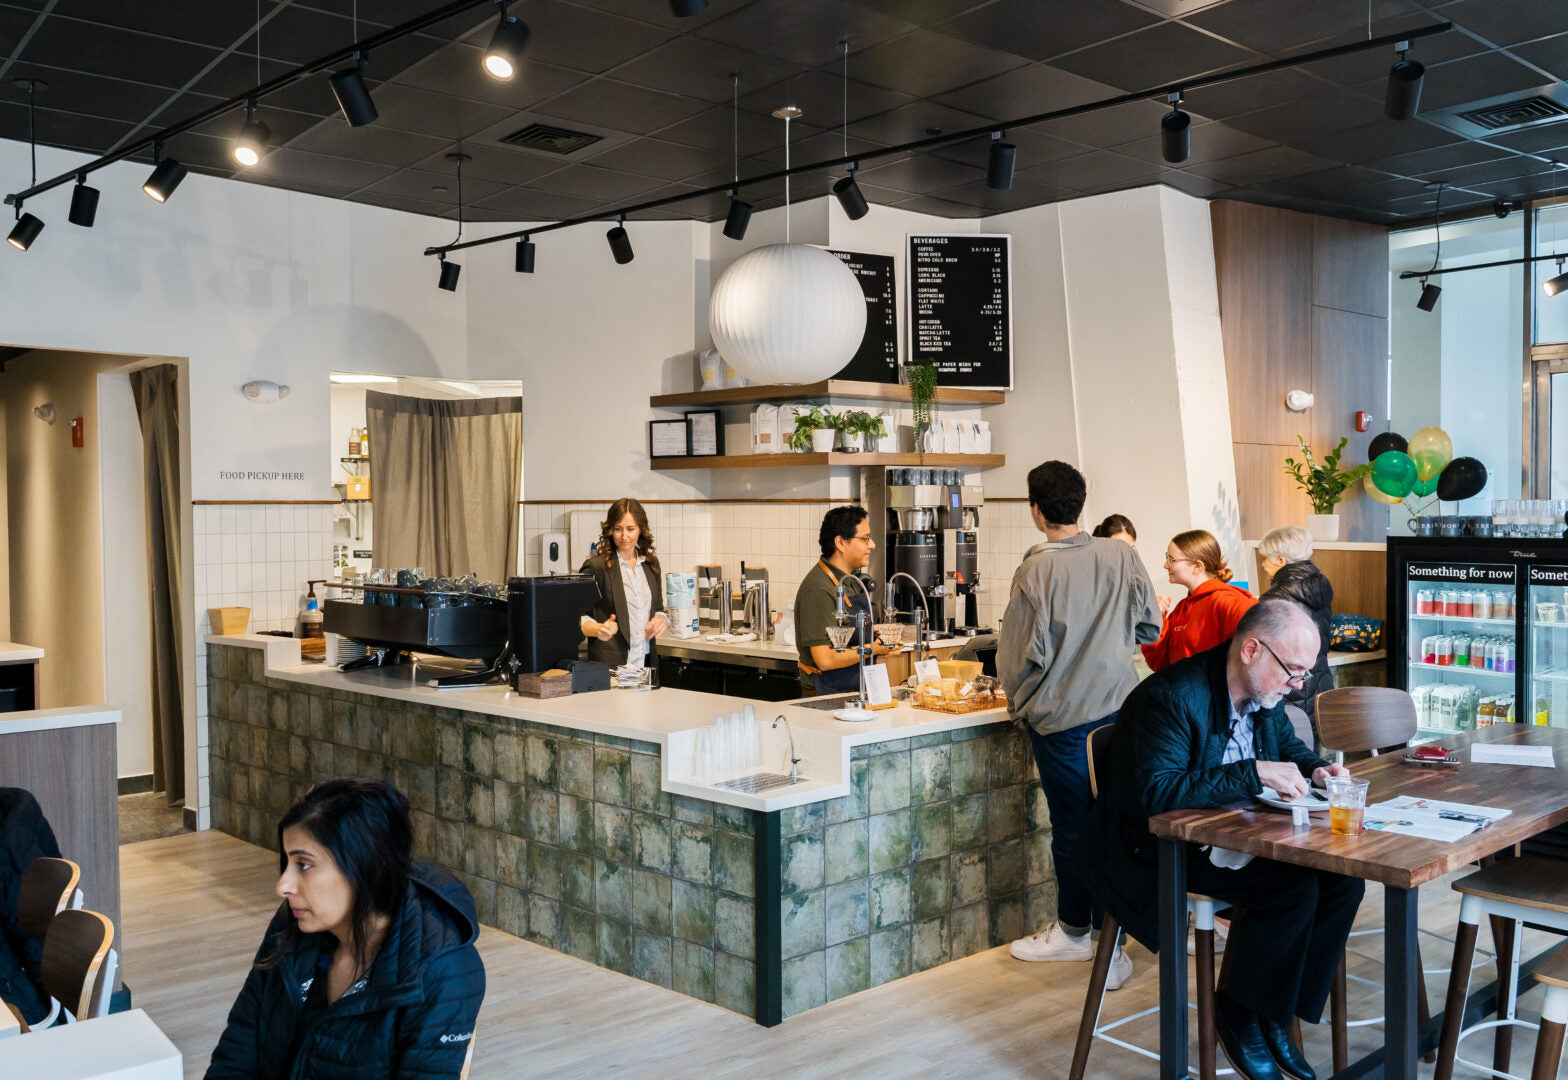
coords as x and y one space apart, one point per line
1356 68
427 207
921 173
1210 142
1328 184
922 12
1275 28
297 35
458 70
215 25
579 38
1261 167
1475 77
1098 169
282 126
437 186
69 131
1397 188
1455 155
917 120
1547 184
202 153
1035 147
1023 193
621 106
1020 26
926 63
1027 91
87 95
504 164
749 167
424 113
659 13
312 96
1160 54
804 33
1549 54
591 182
1535 140
700 208
1331 109
14 23
1490 171
827 146
881 196
375 143
1110 127
525 204
306 187
1174 9
820 97
116 54
286 162
1508 22
701 68
931 204
1375 140
235 74
1201 187
659 159
715 130
1283 87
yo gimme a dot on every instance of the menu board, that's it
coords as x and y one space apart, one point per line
960 308
877 358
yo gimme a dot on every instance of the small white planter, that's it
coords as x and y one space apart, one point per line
1323 527
854 443
822 440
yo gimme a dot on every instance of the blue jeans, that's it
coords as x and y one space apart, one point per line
1063 760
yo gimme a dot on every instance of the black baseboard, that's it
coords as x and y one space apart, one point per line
190 819
136 785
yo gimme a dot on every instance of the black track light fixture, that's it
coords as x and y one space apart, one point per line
620 243
25 231
1175 132
449 275
1553 286
1429 295
253 139
525 256
84 203
166 176
1004 156
505 53
1402 99
683 9
738 218
849 196
348 86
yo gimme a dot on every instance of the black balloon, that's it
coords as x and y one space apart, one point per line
1382 444
1462 479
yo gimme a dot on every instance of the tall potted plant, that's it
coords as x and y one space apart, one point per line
1325 484
922 399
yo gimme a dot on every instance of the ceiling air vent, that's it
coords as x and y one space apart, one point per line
1515 114
1504 112
552 140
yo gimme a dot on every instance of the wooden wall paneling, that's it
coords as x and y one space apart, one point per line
71 772
1263 259
1359 579
1266 496
1350 352
1350 266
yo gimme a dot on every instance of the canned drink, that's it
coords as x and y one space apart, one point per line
1502 605
1461 650
1482 604
1508 656
1466 604
1424 602
1444 650
1448 603
1429 649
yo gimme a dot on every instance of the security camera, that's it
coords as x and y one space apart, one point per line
263 392
1503 207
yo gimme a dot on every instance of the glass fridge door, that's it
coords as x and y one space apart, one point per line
1460 648
1546 622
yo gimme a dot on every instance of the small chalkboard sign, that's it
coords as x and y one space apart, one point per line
960 308
877 358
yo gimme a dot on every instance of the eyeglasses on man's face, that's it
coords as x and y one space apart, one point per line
1292 678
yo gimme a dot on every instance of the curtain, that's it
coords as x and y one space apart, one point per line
156 390
446 478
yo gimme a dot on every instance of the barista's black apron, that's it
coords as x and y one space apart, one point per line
846 679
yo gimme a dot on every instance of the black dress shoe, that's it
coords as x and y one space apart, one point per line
1241 1037
1290 1060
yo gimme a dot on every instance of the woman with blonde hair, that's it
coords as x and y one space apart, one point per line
1285 557
620 628
1208 615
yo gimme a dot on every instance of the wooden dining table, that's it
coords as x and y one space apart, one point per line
1537 797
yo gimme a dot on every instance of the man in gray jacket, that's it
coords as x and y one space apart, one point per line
1077 606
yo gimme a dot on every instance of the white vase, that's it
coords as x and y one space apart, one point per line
1323 527
853 443
822 440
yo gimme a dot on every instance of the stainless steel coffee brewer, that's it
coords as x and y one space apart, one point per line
930 522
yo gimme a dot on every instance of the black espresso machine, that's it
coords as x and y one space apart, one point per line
928 547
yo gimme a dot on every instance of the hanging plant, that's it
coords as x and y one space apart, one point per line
922 394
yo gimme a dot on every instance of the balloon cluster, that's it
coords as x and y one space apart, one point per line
1424 464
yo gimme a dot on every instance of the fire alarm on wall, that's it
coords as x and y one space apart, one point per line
1363 421
76 432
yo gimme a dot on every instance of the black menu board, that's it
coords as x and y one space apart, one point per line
877 358
960 308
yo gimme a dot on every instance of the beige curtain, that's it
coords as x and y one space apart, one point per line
156 390
446 477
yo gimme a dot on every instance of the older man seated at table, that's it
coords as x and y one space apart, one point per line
1204 732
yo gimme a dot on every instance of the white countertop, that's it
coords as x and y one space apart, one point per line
12 652
14 723
667 716
121 1046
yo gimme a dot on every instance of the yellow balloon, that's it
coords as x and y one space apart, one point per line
1432 450
1372 490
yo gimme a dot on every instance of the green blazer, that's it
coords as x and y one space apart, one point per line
612 601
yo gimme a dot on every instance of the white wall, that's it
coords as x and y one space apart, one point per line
127 651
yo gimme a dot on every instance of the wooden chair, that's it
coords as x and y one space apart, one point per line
1509 891
1199 908
79 963
48 887
1554 1017
468 1058
1363 719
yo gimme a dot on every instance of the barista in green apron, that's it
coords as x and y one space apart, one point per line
845 540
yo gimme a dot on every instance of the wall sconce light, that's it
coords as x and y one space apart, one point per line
263 392
45 412
1299 401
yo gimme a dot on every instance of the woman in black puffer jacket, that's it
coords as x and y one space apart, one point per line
369 970
1286 554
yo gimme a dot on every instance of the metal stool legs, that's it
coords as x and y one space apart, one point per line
1549 1043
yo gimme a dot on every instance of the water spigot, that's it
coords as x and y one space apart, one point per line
794 762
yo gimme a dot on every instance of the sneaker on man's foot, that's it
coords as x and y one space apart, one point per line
1053 944
1221 933
1120 972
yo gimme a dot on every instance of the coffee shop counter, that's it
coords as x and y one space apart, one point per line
699 663
915 838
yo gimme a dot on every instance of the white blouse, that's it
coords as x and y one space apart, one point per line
639 608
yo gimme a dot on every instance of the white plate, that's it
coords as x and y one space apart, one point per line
1269 797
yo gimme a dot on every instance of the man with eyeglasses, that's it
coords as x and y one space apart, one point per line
846 545
1205 732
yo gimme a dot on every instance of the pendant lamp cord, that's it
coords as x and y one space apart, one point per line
459 200
786 179
32 132
845 129
735 122
1437 225
258 42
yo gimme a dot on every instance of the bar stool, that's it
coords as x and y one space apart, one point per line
1510 891
1554 1017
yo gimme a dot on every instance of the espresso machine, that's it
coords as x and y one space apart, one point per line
928 550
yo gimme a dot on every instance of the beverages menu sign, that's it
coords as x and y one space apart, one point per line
877 358
960 308
1463 573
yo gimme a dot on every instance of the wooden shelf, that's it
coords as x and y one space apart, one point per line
828 388
806 461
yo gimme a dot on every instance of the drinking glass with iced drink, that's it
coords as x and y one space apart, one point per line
1347 804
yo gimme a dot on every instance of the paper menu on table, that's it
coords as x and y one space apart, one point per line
927 671
1513 754
879 691
1430 819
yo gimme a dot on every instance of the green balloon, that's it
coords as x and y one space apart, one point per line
1394 473
1425 487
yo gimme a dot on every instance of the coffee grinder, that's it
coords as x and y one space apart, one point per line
930 541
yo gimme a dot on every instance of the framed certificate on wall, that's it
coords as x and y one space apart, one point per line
669 438
707 433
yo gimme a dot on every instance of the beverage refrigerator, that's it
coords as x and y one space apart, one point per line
1477 631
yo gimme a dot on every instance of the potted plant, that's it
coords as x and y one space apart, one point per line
1325 484
922 398
861 428
815 429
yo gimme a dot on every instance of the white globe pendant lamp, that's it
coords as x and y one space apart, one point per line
787 313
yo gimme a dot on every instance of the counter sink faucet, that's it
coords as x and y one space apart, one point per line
794 762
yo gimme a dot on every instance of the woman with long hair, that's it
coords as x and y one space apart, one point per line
620 628
368 970
1212 607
